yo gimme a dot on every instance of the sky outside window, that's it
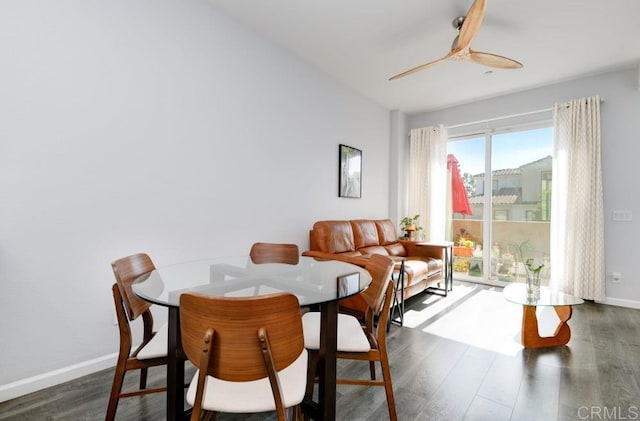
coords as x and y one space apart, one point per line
510 150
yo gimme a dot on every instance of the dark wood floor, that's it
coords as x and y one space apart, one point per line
438 377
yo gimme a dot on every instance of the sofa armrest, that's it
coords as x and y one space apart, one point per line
360 260
422 249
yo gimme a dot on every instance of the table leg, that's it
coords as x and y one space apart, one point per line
530 335
401 281
447 276
175 369
327 362
397 305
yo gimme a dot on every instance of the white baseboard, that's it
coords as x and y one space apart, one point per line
621 302
42 381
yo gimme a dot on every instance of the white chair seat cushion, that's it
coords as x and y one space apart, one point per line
157 346
252 396
351 337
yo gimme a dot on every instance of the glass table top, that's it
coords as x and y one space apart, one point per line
517 293
312 281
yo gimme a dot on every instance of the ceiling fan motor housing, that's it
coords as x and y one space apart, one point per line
457 22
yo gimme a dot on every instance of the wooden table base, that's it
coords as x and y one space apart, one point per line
531 337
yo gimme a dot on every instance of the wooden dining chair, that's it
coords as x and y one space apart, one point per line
365 341
356 305
129 307
274 253
249 352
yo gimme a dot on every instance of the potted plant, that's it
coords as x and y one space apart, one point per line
410 224
531 266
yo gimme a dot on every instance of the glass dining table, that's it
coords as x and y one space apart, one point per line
313 281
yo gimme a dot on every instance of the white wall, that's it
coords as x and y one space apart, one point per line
154 126
398 170
620 134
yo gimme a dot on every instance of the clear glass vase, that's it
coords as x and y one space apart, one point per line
533 283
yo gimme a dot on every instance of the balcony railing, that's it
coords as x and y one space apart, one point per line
503 263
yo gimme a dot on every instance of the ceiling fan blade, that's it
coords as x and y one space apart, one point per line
471 23
468 26
493 60
421 67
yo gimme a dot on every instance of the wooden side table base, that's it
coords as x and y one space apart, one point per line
531 337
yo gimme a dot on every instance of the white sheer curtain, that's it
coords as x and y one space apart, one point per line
427 179
577 219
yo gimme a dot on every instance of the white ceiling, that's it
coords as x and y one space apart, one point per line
364 42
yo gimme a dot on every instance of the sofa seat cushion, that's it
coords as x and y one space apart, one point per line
354 253
421 268
395 249
368 251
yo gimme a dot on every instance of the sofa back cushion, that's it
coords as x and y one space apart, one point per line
365 233
387 233
332 237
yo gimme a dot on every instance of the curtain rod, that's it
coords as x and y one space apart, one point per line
499 118
566 104
544 110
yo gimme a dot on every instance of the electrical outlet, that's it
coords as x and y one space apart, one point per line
616 277
622 215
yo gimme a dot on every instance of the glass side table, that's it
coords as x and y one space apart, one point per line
562 304
447 263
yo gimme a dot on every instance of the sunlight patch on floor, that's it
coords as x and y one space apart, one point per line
486 320
435 304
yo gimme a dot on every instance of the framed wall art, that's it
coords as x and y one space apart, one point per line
350 167
348 284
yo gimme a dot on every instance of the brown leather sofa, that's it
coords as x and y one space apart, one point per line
355 240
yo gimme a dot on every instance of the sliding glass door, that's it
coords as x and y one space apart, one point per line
507 179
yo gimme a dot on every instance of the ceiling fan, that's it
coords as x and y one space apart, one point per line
468 27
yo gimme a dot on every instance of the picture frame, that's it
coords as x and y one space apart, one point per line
350 172
348 284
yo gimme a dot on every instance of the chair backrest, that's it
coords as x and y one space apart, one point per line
380 268
126 270
236 352
274 253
